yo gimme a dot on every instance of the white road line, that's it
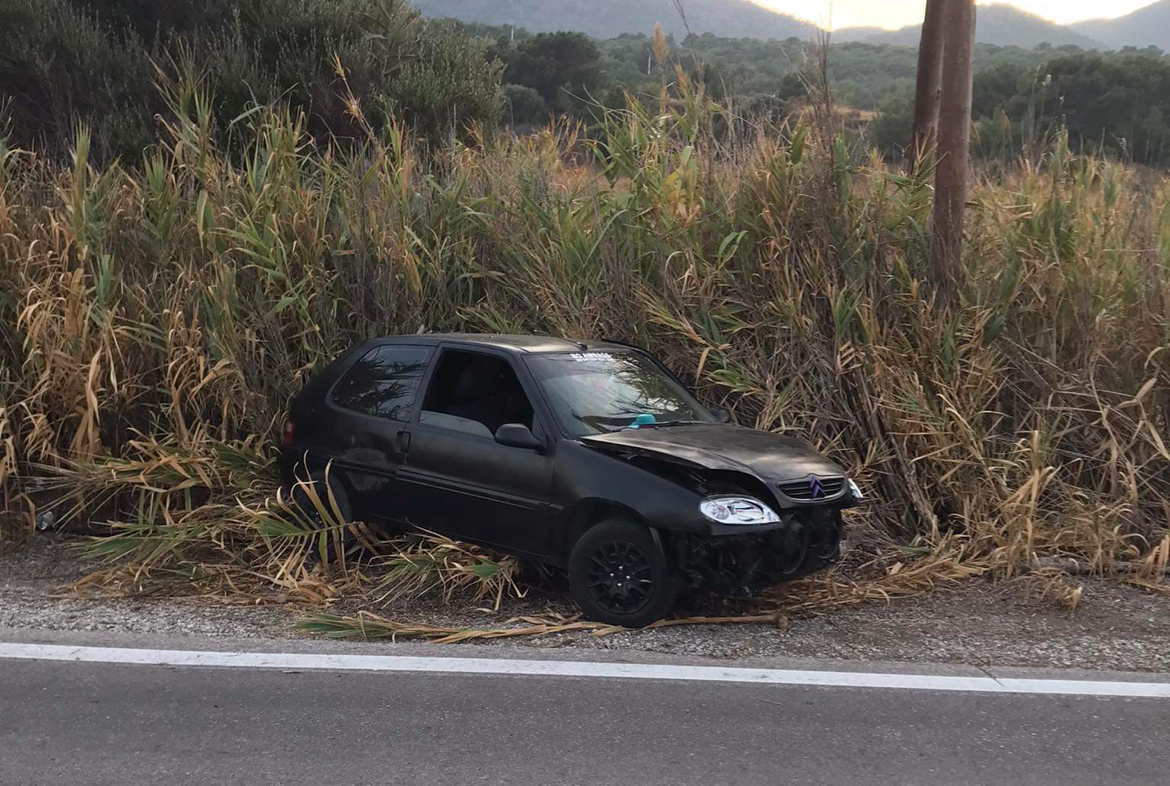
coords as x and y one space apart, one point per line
555 668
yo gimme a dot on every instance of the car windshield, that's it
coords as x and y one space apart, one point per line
600 392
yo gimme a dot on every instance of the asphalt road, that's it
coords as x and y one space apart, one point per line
124 725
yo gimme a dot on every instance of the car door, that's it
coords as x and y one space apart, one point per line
369 409
457 480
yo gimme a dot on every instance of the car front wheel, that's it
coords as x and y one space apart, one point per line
619 575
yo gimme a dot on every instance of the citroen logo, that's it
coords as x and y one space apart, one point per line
815 487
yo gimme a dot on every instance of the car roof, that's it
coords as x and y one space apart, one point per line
512 343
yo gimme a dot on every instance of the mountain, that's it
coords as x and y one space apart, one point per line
849 34
1149 26
611 18
1003 25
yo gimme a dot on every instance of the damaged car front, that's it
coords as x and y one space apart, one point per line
735 509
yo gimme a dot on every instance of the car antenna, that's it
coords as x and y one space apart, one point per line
582 345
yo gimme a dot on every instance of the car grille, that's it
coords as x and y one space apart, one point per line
806 489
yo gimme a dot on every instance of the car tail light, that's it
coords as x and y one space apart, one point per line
287 436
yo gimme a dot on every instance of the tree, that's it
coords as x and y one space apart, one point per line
954 143
523 106
1003 86
929 83
559 66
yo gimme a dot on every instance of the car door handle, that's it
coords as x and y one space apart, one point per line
402 442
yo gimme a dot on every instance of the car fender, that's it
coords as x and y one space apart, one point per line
591 485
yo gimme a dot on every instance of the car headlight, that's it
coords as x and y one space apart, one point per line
853 487
737 510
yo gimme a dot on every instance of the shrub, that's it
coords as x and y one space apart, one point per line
98 62
891 131
561 67
63 66
523 106
449 85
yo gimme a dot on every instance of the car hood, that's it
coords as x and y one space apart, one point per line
718 446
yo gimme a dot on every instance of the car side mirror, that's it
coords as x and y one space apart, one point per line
722 415
517 435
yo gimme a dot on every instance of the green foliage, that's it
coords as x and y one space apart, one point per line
561 67
449 85
1000 89
863 75
57 65
1121 103
891 131
523 106
98 62
1109 101
1117 103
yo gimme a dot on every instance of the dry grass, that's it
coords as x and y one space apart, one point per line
876 582
157 316
421 564
368 627
222 530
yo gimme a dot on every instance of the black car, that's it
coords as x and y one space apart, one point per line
588 456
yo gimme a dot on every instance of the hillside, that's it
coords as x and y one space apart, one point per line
849 35
1149 26
1002 25
611 18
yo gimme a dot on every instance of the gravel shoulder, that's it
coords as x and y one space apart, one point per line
1117 628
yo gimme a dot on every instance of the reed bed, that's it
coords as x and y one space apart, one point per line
157 315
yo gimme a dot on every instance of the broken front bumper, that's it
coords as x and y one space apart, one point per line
736 559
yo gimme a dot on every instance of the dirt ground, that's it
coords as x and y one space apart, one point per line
974 622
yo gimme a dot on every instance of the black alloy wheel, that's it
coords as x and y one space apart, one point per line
618 574
621 579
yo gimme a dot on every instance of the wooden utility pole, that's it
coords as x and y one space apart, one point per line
929 88
954 142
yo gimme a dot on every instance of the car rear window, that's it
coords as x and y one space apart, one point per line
384 382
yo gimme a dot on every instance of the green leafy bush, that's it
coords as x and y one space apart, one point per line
91 62
523 106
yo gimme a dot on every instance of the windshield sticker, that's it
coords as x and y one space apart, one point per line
586 357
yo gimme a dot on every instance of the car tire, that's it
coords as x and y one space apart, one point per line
602 588
322 483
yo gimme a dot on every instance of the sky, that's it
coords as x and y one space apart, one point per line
899 13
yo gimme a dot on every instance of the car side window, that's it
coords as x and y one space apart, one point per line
475 392
384 382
